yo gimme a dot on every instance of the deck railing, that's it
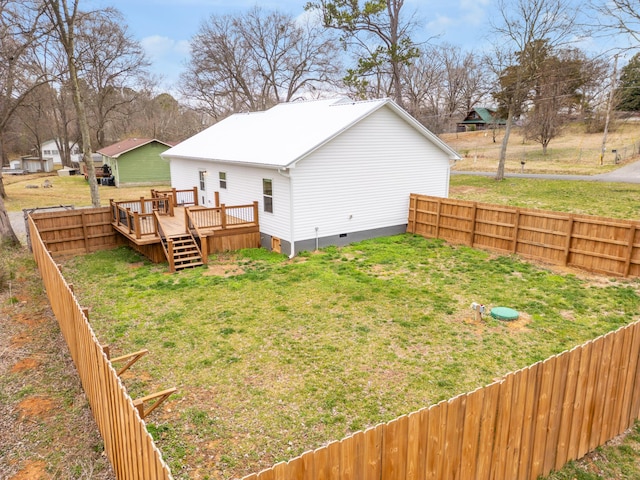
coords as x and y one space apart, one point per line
183 198
222 217
138 216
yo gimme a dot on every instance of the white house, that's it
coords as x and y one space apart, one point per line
49 149
325 172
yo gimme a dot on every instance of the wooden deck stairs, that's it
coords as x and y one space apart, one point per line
182 252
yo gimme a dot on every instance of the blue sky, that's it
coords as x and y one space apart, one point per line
164 27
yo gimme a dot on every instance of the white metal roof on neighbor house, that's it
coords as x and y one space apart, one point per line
283 135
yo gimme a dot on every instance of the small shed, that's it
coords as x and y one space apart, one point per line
324 172
480 118
37 164
137 162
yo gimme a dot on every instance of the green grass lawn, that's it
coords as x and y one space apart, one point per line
616 200
273 357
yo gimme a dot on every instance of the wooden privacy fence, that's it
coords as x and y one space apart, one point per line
597 244
127 443
527 424
75 232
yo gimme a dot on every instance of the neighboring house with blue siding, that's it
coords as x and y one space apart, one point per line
137 162
325 172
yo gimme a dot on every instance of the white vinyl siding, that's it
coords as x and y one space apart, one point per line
244 186
362 179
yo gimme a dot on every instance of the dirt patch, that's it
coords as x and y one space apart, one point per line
20 340
35 407
28 320
25 364
136 265
32 471
223 270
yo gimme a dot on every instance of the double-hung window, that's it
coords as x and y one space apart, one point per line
223 179
267 194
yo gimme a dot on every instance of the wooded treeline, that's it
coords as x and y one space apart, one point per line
253 60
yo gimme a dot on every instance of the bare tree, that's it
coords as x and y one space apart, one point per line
381 36
20 35
526 26
622 16
64 18
253 61
109 60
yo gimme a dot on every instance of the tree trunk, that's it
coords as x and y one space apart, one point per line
503 147
7 235
84 132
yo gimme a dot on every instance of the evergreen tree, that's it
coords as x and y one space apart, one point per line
629 88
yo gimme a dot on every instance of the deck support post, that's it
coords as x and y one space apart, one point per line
136 223
223 215
172 264
255 212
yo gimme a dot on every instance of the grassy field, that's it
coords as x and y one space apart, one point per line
72 190
616 200
574 152
274 357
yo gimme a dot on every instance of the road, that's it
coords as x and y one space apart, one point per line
627 174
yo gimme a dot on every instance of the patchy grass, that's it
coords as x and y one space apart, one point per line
616 200
574 152
288 355
46 426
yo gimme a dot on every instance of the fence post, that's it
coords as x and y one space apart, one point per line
516 231
174 195
411 228
186 220
632 236
567 246
223 215
195 196
438 218
114 213
473 223
142 205
84 231
255 212
216 197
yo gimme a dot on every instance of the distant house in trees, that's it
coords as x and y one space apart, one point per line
50 149
137 161
480 118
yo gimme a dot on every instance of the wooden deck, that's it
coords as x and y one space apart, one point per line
149 224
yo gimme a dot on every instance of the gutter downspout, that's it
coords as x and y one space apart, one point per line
291 216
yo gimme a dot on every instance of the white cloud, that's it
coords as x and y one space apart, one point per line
158 46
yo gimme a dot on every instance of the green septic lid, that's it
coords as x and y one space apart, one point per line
504 313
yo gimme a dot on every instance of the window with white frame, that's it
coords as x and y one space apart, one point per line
267 194
202 174
223 179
